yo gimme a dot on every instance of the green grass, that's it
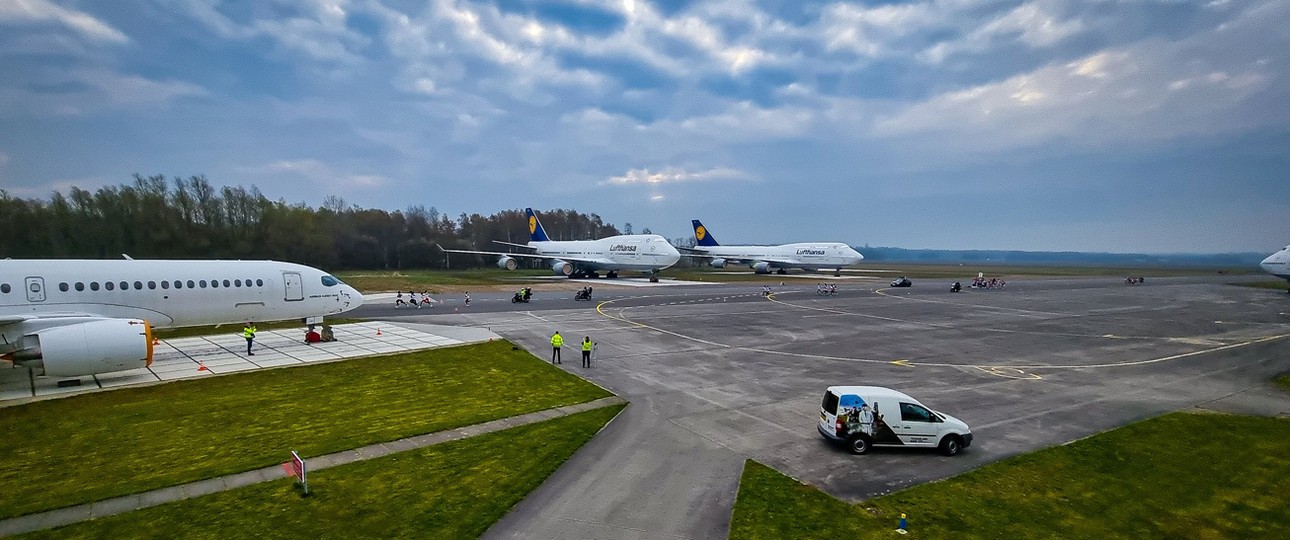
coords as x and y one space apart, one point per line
1284 382
1178 476
451 490
190 331
1278 284
435 281
440 281
95 446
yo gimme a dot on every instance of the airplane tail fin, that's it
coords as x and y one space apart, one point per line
702 235
536 234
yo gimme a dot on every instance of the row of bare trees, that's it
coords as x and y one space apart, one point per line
190 218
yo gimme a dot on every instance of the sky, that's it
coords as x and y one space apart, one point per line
1151 126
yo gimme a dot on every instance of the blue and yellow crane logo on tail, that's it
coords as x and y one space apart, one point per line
700 232
532 224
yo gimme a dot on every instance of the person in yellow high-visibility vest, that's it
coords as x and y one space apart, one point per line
586 351
556 343
248 332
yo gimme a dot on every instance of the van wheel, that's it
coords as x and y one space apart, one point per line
859 445
951 445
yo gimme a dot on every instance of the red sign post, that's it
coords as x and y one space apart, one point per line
296 467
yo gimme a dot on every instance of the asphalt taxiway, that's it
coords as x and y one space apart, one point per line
717 374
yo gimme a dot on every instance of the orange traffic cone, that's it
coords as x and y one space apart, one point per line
156 342
378 331
454 310
201 366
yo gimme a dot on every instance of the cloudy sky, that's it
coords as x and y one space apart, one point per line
1096 125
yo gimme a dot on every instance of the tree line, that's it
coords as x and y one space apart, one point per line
192 219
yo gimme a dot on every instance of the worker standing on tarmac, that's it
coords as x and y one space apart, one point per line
556 343
248 332
586 351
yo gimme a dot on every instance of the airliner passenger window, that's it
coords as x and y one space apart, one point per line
152 285
4 288
179 284
165 284
94 285
237 283
138 285
227 284
80 286
109 285
329 281
125 285
259 283
202 283
214 283
191 285
63 286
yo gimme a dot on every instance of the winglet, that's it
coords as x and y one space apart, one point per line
536 234
702 235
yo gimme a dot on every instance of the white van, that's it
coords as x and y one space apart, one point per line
862 417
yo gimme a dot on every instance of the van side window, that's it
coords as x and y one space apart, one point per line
914 413
830 403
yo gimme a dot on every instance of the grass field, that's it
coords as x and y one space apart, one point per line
1182 475
1284 382
1278 284
436 281
440 281
451 490
95 446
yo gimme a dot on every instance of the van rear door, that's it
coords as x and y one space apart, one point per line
829 412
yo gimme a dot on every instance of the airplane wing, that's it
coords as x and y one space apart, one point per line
596 262
13 319
525 246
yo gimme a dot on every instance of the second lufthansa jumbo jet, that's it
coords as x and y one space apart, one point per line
587 258
809 256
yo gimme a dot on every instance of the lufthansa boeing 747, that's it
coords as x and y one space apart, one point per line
808 256
587 258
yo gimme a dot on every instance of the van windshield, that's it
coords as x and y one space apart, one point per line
830 403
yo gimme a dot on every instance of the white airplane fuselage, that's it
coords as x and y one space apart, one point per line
172 293
80 317
1278 264
638 252
806 255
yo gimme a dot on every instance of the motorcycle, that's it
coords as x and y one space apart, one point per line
522 296
582 294
956 287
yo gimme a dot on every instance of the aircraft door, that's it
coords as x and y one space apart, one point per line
291 284
35 289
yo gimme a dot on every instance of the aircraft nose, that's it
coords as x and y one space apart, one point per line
856 257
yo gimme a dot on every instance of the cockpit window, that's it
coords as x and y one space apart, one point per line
329 281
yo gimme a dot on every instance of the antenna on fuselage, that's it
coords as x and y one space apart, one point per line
127 256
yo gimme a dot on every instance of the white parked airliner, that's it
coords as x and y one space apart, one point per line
587 258
809 256
82 317
1278 264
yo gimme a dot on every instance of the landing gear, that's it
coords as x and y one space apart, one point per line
653 277
611 275
837 273
782 271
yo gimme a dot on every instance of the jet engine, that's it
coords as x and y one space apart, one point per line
506 262
717 263
761 268
562 268
87 348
